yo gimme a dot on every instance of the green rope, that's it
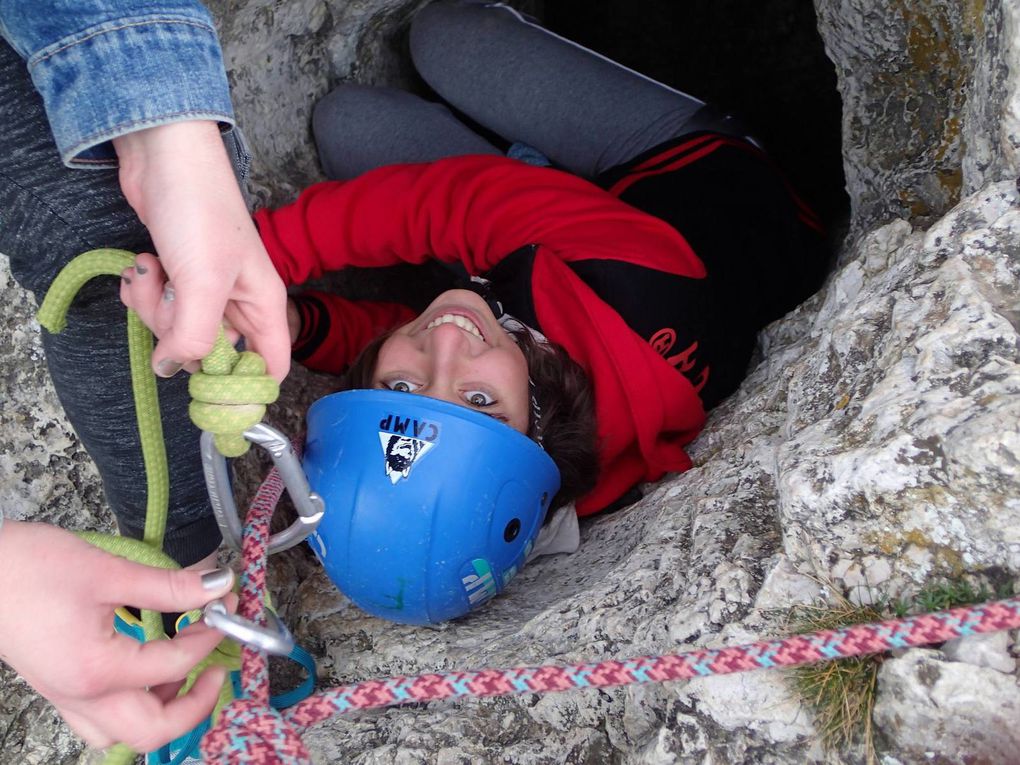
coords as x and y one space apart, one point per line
53 316
230 395
133 549
53 313
119 754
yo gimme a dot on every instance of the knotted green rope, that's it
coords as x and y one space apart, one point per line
230 395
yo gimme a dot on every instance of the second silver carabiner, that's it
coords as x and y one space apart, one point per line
274 638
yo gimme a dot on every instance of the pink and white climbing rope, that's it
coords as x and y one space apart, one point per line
249 731
788 652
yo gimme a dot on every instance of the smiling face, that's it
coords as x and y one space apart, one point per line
456 351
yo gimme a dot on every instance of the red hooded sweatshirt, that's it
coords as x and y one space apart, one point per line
476 210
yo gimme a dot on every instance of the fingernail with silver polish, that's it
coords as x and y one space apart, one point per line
142 270
168 367
125 279
168 293
217 579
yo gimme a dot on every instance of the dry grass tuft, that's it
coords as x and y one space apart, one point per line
841 693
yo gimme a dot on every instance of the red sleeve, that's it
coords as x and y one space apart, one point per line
472 209
334 330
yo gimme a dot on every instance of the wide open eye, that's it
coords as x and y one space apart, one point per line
479 398
401 386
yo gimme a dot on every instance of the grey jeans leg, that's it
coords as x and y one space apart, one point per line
49 214
361 127
582 110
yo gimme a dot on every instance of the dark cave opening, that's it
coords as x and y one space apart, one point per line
763 61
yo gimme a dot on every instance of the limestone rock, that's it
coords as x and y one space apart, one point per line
988 650
42 465
895 464
930 710
931 107
283 57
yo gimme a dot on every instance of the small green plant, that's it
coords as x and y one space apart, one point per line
942 595
841 693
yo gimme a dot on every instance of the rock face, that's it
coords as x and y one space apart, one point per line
930 102
934 710
282 57
873 446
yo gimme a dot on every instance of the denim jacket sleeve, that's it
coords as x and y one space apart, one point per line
105 68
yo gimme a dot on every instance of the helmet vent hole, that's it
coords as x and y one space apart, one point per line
512 530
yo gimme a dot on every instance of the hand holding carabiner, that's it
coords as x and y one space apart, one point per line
274 638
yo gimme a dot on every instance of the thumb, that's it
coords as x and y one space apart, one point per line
165 590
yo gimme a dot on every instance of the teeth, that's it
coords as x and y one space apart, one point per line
460 321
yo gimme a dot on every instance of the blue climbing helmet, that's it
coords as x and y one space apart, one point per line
431 508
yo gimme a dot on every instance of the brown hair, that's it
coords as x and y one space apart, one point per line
565 398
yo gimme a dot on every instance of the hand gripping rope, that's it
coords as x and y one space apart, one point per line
250 731
230 396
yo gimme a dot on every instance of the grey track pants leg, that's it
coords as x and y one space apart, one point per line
524 83
49 214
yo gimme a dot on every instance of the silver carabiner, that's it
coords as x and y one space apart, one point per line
309 505
274 638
